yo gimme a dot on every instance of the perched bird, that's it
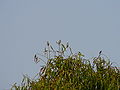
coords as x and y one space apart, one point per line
100 52
67 45
35 56
36 60
48 43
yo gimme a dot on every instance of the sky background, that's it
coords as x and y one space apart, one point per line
25 26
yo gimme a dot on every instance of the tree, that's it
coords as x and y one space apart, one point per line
66 70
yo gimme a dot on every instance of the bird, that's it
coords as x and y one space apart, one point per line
48 43
67 45
35 58
100 52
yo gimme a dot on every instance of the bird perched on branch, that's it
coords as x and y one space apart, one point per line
100 52
36 59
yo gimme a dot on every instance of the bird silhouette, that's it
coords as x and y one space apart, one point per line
35 58
100 52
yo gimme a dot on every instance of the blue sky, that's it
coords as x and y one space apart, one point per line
25 26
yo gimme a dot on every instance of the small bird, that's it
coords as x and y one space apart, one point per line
67 45
100 52
35 58
48 43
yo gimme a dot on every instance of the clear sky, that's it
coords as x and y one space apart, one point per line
25 26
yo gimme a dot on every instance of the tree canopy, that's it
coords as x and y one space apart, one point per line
65 70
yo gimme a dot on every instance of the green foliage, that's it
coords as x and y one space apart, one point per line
64 70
